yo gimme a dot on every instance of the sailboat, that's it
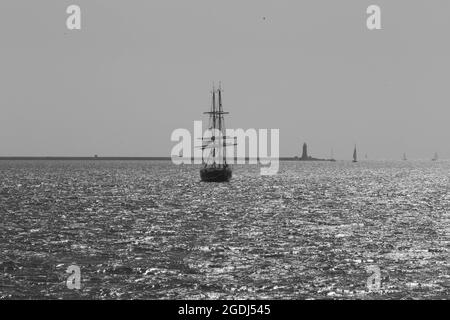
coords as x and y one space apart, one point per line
435 157
215 167
404 157
332 155
355 159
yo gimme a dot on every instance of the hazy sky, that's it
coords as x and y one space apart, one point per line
140 69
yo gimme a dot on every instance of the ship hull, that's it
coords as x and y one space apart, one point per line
216 174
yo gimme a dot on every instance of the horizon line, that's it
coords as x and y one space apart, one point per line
156 158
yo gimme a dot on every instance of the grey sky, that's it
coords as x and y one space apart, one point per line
140 69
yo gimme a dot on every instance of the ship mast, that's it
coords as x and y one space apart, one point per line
217 122
213 138
221 126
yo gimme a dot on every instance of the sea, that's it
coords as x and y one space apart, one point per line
153 230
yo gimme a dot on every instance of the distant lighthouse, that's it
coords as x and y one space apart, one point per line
305 152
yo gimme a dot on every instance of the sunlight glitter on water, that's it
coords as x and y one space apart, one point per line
149 229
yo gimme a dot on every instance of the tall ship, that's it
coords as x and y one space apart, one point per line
215 167
355 157
404 157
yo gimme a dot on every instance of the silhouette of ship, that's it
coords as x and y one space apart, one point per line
215 167
404 157
355 158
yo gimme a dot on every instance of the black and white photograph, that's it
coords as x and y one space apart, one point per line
237 151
